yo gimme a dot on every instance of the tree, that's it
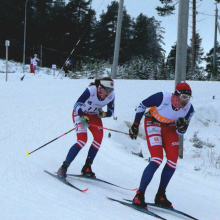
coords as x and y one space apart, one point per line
56 29
105 32
126 38
171 62
76 11
38 21
169 6
199 52
168 9
12 26
209 66
146 41
199 70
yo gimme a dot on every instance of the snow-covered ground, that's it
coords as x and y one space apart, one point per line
38 109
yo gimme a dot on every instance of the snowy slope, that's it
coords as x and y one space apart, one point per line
38 109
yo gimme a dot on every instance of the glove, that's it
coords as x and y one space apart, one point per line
101 114
181 125
84 120
133 131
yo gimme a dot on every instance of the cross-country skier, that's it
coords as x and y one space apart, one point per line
66 67
33 66
168 116
88 110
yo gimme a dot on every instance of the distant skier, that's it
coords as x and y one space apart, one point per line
33 65
168 116
66 67
88 110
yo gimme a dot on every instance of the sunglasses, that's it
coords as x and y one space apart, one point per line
185 97
107 89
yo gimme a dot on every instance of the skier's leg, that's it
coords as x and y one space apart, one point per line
74 150
171 147
94 148
154 142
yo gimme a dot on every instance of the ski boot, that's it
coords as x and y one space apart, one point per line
87 170
63 169
139 200
161 199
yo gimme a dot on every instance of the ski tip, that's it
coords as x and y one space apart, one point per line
85 190
27 153
134 189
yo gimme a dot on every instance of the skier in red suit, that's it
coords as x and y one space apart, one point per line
88 110
168 116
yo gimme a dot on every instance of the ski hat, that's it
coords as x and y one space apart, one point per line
183 88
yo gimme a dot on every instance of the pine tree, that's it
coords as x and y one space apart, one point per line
12 27
126 38
169 7
105 32
146 40
209 66
198 69
76 10
38 22
171 62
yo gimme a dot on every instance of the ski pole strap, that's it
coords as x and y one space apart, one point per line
100 127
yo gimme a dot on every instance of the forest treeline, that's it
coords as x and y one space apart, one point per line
58 30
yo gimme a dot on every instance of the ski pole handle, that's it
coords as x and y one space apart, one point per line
28 153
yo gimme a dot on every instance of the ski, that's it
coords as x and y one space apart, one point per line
172 210
99 180
167 208
137 208
65 181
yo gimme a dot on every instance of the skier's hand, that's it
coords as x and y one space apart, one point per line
133 131
181 125
84 120
101 114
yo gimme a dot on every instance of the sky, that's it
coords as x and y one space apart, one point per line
39 109
205 19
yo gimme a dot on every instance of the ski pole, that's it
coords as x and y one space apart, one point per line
100 127
28 153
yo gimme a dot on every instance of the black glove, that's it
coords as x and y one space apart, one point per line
133 131
181 125
101 114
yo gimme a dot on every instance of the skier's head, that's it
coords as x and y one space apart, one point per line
182 95
183 88
107 84
35 55
104 87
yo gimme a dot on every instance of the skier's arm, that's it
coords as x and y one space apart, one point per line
110 108
183 123
153 100
80 102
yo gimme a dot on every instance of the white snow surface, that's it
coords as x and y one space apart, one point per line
39 108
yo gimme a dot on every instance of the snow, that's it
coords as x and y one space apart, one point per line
38 109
